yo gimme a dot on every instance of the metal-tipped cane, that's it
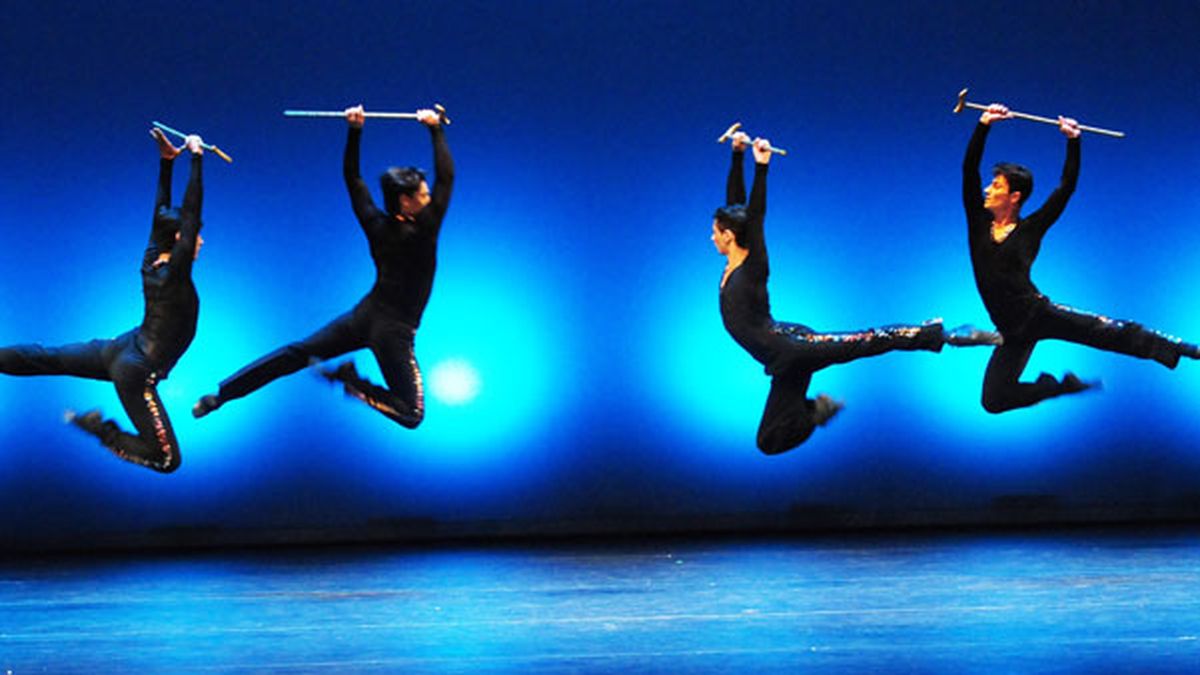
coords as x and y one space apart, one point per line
964 103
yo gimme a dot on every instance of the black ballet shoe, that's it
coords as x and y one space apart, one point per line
353 385
328 374
1046 380
93 423
90 421
205 405
967 335
825 408
345 373
1071 384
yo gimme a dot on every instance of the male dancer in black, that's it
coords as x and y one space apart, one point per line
403 242
792 352
1003 248
138 359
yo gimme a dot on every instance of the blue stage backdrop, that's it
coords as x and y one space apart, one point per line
579 377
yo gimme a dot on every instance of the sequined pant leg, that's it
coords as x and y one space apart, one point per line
340 336
1061 322
154 446
787 419
812 350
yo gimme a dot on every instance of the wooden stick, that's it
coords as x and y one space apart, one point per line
964 103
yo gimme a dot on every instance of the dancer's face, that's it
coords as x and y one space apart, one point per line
722 239
998 196
412 205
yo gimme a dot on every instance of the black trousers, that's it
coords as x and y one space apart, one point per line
789 417
121 362
364 327
1002 389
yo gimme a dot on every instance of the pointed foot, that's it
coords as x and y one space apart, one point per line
1071 384
205 405
967 335
825 408
345 373
89 421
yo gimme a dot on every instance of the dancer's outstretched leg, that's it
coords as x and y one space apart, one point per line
815 350
1112 335
340 336
81 359
811 351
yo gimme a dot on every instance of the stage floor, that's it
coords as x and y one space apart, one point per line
1078 601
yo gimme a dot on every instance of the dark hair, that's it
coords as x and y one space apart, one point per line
1019 178
398 181
733 218
166 226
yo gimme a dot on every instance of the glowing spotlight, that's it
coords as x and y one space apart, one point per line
454 382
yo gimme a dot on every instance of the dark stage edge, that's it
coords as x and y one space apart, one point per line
1018 511
1089 600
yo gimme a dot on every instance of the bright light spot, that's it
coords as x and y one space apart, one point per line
454 382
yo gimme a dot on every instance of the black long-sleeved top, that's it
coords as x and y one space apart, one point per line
745 305
1002 269
171 303
404 251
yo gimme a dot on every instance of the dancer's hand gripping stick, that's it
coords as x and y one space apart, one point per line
207 146
733 128
964 103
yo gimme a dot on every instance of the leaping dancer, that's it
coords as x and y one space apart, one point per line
791 352
403 241
1004 245
138 359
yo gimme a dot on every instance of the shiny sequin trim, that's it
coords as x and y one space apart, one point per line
161 434
885 332
1117 323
